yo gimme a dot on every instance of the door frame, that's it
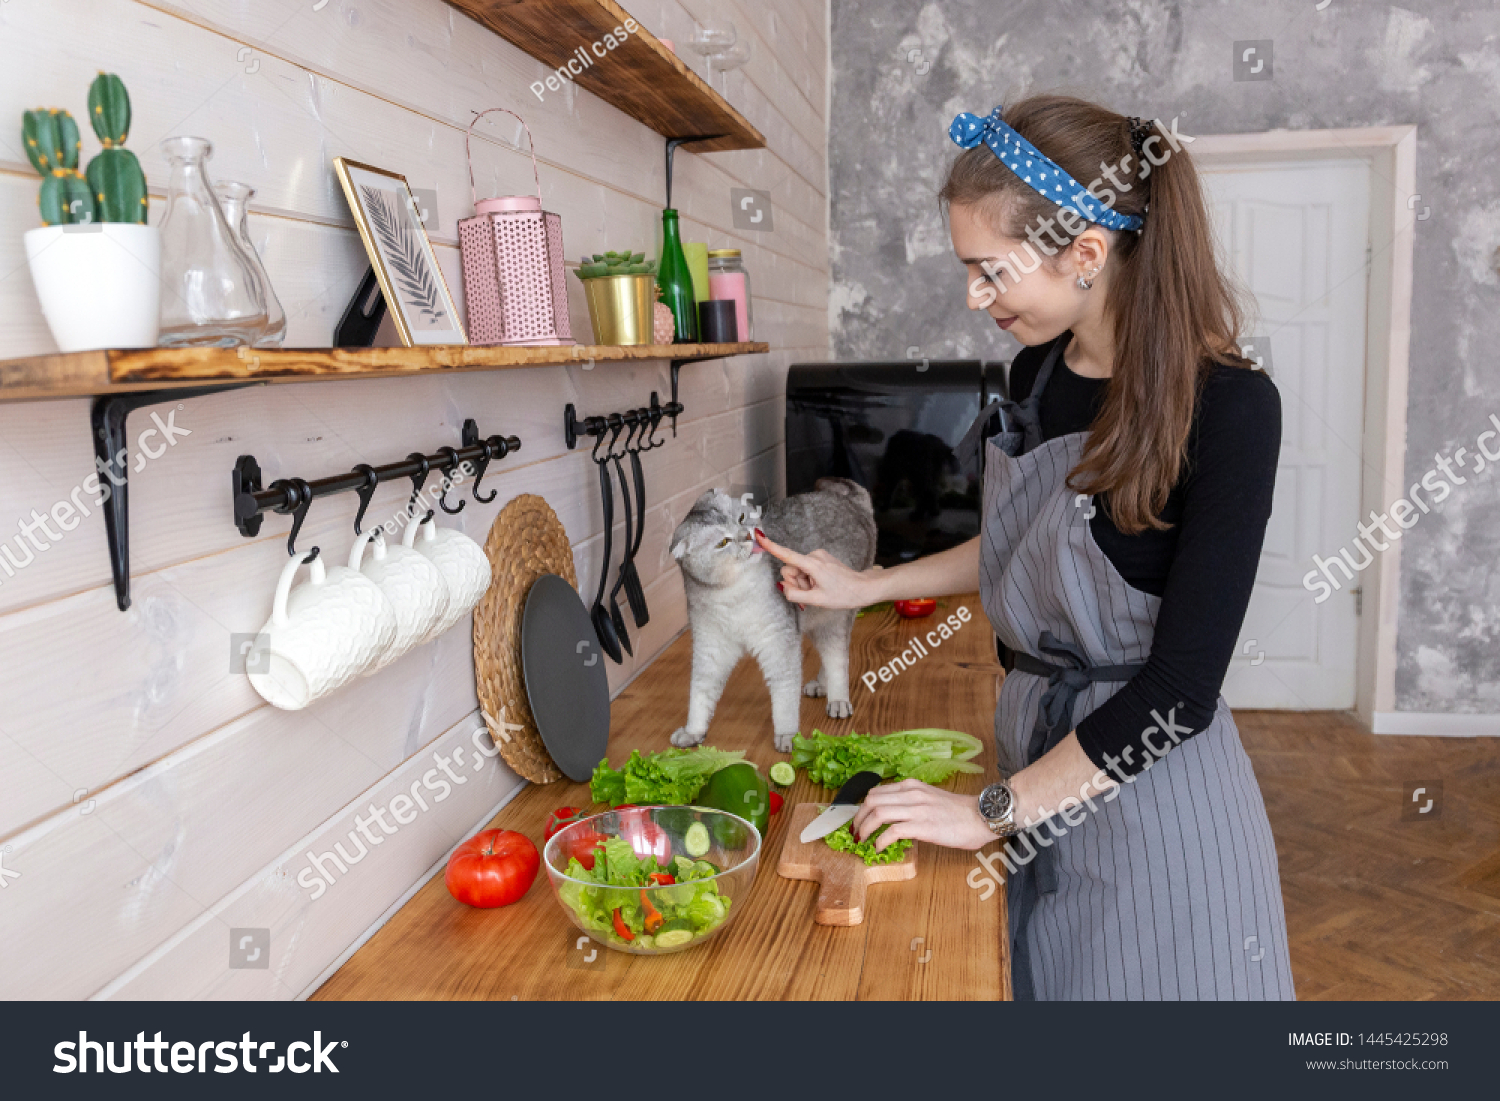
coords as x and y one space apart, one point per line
1391 154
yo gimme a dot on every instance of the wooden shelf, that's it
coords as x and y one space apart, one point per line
641 76
120 371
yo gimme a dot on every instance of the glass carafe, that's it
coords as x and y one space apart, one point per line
234 200
210 294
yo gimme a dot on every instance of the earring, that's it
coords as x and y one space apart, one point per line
1087 281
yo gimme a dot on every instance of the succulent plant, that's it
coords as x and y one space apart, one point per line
602 264
51 138
115 176
114 189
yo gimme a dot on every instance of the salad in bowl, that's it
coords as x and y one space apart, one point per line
652 880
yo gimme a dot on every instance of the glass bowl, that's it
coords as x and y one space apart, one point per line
710 854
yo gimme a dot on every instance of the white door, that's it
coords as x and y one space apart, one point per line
1295 233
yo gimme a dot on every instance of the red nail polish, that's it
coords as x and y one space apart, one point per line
780 587
759 534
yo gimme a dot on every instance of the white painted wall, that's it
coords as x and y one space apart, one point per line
199 801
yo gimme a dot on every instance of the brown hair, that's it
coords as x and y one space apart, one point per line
1173 311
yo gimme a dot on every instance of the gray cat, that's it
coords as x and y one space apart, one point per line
734 608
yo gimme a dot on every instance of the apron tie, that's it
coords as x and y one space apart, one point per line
1054 721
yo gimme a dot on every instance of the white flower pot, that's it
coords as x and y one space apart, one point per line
99 284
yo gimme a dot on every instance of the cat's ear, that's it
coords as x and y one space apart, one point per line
679 549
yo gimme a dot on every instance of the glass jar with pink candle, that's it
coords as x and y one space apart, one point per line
727 278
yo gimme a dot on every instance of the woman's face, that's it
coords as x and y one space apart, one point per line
1033 306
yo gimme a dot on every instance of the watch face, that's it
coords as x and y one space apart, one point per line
994 802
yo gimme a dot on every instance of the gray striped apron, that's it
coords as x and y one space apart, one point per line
1170 887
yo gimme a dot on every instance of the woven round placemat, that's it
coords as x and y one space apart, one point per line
526 541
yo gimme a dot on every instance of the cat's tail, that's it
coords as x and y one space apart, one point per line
846 488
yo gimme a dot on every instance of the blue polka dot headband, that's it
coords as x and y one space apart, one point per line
1033 167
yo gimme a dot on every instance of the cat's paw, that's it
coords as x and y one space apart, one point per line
684 738
840 709
784 741
814 688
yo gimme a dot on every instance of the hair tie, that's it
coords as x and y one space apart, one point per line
1139 132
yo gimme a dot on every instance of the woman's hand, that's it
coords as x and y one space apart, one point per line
821 579
923 813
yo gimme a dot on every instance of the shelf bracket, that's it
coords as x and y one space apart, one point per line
112 460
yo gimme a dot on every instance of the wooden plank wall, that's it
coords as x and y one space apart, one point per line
149 801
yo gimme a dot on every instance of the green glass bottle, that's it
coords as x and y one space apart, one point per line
675 280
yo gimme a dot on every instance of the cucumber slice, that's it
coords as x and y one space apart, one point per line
674 938
783 773
696 839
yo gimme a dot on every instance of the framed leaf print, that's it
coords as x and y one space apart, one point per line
410 279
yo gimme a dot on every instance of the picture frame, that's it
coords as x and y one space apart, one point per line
411 280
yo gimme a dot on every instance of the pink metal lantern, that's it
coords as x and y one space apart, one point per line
515 288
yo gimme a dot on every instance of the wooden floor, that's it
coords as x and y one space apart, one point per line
935 936
1381 906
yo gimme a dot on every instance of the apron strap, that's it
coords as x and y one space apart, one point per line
1018 424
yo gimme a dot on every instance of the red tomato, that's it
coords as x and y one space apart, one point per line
916 609
776 801
646 837
492 868
582 847
559 818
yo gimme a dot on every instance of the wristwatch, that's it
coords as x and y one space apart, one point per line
997 806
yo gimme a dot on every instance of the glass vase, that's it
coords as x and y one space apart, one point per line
210 294
234 200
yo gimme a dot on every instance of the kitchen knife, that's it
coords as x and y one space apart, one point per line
844 807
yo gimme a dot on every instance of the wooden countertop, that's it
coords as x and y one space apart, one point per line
437 948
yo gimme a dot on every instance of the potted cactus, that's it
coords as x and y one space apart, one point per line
621 292
94 262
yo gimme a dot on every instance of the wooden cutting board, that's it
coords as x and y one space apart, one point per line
843 877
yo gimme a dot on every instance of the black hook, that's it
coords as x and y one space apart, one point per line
616 425
595 427
418 480
300 496
483 464
636 420
365 493
451 454
656 412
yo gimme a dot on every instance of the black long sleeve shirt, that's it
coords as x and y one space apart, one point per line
1202 567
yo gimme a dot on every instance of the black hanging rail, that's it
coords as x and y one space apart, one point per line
294 495
575 426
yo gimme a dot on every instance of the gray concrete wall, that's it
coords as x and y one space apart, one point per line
902 70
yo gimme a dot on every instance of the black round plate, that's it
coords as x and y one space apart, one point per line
566 682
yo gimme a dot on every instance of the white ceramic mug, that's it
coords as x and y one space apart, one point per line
462 562
322 634
412 584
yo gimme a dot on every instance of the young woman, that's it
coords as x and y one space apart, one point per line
1127 487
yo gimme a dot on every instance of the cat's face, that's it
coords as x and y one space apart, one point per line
715 543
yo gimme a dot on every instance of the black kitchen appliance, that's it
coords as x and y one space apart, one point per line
892 427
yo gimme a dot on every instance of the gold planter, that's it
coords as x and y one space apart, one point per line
622 308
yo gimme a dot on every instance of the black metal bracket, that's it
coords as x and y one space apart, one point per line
252 499
108 416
